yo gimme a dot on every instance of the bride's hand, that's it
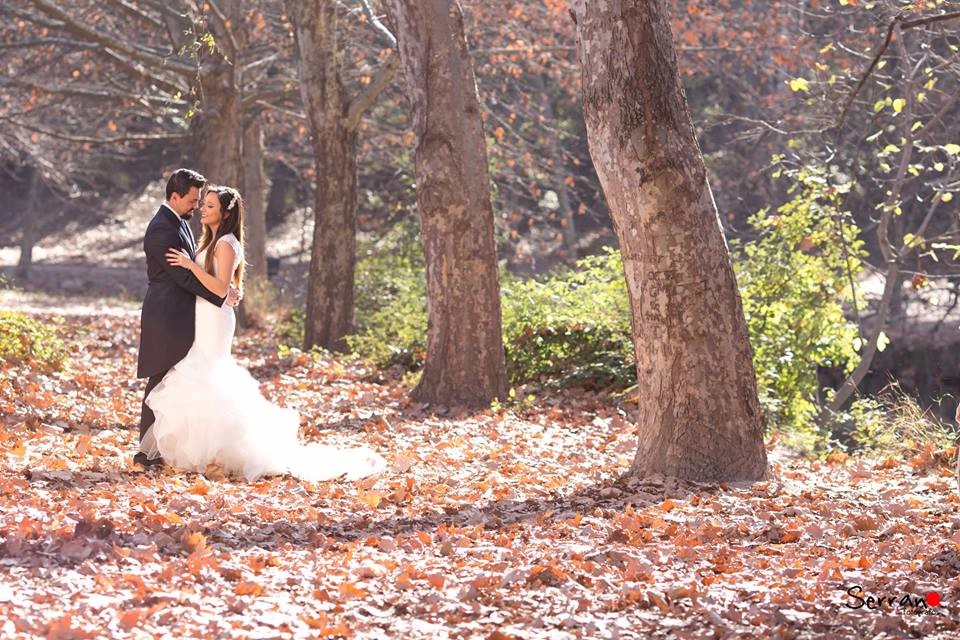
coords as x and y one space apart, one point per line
179 259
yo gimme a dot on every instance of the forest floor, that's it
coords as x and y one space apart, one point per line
512 522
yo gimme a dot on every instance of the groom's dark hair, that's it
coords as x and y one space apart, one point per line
182 180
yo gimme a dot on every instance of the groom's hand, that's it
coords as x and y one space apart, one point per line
234 296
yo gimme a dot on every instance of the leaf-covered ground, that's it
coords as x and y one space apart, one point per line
496 524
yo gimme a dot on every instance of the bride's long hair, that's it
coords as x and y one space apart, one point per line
232 211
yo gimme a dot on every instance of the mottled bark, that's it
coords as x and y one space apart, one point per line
699 416
217 140
465 361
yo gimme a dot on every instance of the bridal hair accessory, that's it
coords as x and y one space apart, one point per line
233 201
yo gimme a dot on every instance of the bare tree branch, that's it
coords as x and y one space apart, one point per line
360 104
381 28
233 48
904 24
145 137
110 43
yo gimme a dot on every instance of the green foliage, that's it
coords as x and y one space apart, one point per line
795 280
391 295
571 328
26 340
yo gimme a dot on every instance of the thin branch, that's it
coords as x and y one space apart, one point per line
81 92
382 29
39 42
111 43
136 12
360 104
272 107
919 22
225 23
147 137
904 24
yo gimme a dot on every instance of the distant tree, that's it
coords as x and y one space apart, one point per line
334 118
465 362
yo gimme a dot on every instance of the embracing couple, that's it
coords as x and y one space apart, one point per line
200 407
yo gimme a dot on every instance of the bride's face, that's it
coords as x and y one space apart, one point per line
210 213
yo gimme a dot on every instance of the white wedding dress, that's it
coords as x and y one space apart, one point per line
209 409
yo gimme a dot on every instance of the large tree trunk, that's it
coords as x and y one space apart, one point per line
465 361
333 255
218 131
696 387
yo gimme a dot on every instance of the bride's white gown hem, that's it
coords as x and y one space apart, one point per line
209 409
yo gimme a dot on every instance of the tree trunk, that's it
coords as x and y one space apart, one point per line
256 295
283 181
217 143
699 417
31 223
333 255
465 363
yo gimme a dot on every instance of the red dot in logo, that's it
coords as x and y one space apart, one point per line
933 599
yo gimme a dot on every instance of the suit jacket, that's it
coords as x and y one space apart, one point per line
167 321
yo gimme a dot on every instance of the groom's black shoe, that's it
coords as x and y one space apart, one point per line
145 462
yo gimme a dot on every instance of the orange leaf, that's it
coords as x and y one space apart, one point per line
351 590
248 588
131 617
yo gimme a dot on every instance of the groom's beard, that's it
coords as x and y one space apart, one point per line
187 215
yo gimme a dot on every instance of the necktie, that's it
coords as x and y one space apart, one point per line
193 244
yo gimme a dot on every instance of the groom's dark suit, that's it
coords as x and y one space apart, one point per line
167 318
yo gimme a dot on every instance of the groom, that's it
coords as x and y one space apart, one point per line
167 317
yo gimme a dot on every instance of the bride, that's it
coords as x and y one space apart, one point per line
208 408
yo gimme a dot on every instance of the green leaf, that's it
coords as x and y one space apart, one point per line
952 149
946 196
799 84
899 104
882 341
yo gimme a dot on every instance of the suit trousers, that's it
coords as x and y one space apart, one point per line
146 413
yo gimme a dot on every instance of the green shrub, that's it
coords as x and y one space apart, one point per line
570 328
795 280
26 340
391 299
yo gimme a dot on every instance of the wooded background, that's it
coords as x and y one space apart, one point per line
100 99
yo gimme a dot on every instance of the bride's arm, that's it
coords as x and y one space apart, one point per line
223 253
